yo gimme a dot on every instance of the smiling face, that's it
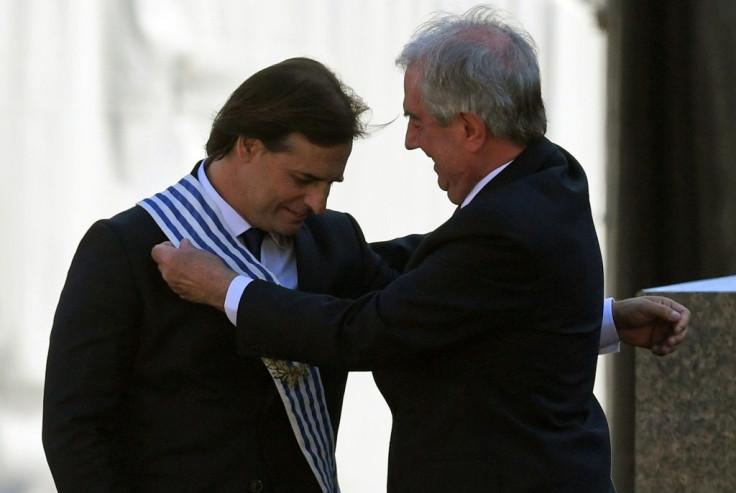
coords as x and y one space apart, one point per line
445 145
275 191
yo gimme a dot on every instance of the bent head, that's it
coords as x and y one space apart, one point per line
284 136
298 95
277 190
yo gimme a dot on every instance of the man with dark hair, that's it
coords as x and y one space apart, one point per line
485 347
145 392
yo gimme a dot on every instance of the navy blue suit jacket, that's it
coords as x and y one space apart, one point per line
146 392
485 348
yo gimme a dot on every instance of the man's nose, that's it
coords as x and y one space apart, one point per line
410 141
316 199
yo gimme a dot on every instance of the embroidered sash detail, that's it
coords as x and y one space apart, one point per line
185 211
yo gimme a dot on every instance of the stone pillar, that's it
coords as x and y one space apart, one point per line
685 416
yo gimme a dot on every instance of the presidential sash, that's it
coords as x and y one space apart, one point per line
185 211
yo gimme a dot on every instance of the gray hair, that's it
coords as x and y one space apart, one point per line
477 63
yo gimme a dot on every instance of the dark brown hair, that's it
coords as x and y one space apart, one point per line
297 95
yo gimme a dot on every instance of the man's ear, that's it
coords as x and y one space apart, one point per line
246 148
475 130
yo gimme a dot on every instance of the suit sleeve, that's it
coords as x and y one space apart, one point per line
447 299
398 251
376 270
88 366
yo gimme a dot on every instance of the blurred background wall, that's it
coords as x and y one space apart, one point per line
104 102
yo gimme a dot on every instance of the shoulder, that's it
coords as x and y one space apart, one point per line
333 224
545 180
542 195
334 234
132 229
330 218
135 217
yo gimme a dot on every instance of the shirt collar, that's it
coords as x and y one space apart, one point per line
234 221
482 183
230 217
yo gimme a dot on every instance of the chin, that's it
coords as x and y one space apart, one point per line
289 229
453 196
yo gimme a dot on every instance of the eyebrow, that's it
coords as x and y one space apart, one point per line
310 176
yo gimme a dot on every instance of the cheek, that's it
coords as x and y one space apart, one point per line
430 149
287 193
431 141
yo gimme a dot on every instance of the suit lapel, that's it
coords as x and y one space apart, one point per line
309 265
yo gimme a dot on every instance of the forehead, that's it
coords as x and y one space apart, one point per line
301 155
412 76
413 105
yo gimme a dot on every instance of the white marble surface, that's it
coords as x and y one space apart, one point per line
716 285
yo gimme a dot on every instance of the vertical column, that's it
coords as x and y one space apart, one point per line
685 425
671 130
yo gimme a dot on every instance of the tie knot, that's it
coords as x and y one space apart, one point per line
252 239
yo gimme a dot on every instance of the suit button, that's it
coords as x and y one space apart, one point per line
256 485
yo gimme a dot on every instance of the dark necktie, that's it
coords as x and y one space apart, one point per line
253 239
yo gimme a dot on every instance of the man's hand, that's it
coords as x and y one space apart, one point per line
653 322
195 275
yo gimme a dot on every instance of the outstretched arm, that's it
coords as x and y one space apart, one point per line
653 322
397 252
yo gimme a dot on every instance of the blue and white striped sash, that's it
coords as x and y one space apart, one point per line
185 211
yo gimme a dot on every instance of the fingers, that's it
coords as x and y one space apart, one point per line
679 329
161 251
659 308
679 318
678 311
681 326
672 311
669 302
158 252
671 343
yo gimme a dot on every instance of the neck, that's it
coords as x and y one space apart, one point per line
217 173
498 152
493 154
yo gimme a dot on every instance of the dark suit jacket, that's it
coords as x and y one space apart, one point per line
146 392
485 348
